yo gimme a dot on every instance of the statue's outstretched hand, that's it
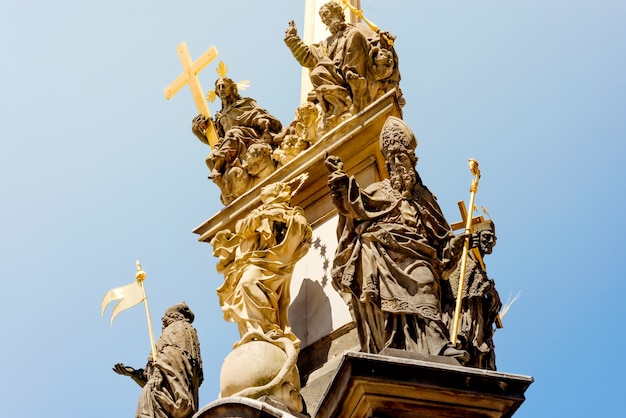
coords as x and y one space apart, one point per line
199 120
119 368
337 179
291 30
333 163
198 126
474 240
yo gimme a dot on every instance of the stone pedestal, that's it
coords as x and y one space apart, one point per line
379 386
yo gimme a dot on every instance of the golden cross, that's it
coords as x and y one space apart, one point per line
190 76
461 225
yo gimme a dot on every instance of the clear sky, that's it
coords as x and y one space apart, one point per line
98 170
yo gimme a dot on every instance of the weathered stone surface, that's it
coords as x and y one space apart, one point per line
171 381
368 385
319 361
394 247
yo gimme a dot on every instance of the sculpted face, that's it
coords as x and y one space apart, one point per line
166 321
307 114
383 57
487 241
332 17
223 88
401 171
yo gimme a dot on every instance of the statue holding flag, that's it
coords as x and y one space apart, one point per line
171 381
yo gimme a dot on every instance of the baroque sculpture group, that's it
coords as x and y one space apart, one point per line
397 263
349 70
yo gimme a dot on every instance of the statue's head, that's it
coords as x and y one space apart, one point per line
226 87
397 143
382 56
307 113
486 232
332 16
396 135
179 312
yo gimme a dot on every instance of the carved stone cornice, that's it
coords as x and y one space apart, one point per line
355 141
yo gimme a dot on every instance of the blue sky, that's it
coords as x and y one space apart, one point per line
98 170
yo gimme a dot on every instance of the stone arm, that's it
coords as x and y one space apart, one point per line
301 52
353 202
338 182
266 123
495 303
198 127
298 235
246 113
247 227
452 252
139 376
225 245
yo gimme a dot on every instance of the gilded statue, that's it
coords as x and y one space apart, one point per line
243 154
257 260
301 133
348 70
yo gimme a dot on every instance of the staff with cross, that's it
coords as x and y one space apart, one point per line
473 166
190 76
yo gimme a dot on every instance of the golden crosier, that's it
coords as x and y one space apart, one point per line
473 166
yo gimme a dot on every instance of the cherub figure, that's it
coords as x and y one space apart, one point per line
299 135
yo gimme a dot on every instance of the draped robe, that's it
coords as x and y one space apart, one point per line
392 252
